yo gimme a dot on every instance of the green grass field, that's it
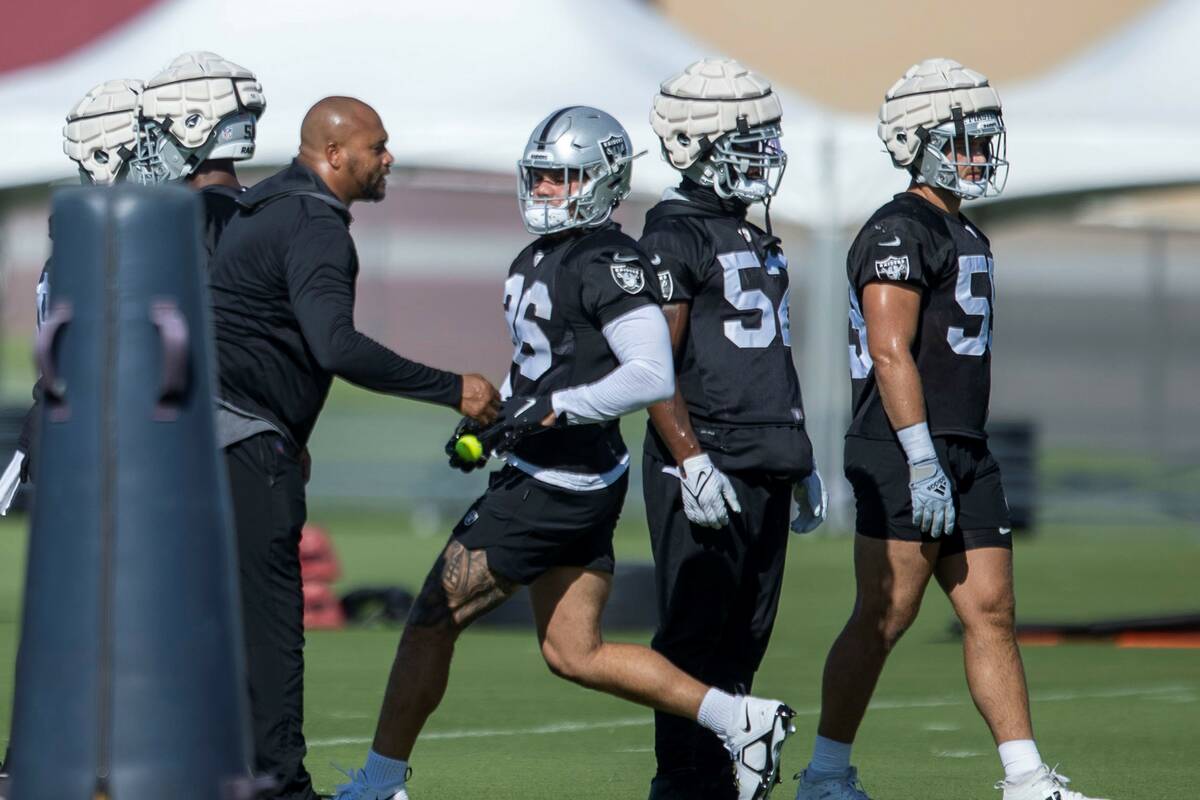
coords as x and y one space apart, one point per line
1124 723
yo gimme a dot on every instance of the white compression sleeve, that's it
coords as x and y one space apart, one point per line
646 375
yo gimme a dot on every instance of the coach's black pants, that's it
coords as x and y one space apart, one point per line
267 487
718 591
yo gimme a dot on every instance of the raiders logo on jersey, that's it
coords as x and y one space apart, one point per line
666 284
629 277
892 268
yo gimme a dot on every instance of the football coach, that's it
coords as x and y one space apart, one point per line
282 285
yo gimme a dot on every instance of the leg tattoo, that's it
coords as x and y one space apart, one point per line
459 590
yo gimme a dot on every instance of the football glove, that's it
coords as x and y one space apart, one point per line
932 497
706 493
520 416
466 426
812 503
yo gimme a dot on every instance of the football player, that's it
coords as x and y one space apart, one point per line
590 344
929 498
724 454
200 116
101 139
188 123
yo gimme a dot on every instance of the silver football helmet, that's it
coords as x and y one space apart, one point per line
719 124
200 107
942 120
589 154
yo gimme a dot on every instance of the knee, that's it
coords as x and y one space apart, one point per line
993 614
885 620
567 662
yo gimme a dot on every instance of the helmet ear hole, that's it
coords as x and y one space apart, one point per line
100 157
683 139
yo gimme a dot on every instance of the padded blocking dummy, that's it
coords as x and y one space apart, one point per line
130 679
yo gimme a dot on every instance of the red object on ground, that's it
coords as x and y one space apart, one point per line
319 568
322 608
318 561
34 33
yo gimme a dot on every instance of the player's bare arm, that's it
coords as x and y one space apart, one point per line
670 417
892 312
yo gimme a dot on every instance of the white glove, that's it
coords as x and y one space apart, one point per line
932 499
812 503
10 480
706 491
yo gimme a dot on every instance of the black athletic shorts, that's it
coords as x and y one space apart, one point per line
878 471
527 527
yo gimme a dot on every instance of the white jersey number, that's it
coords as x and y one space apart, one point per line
737 330
860 357
973 306
531 351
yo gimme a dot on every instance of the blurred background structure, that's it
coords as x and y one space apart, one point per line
1097 238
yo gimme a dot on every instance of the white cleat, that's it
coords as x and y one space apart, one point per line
359 789
755 746
1041 784
843 787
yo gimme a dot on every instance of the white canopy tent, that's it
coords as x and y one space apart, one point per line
459 85
1121 114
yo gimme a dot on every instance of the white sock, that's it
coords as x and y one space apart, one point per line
717 712
383 771
830 759
1020 757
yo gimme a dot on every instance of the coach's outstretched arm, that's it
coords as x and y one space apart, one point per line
321 288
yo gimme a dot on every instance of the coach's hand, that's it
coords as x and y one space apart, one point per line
480 400
706 493
812 503
932 497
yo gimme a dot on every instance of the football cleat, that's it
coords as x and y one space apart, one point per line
755 745
843 787
359 789
1041 784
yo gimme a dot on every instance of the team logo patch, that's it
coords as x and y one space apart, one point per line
629 277
892 268
667 284
471 518
537 257
614 150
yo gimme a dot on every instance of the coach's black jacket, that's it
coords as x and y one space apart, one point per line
282 285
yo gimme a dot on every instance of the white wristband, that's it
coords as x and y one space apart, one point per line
917 444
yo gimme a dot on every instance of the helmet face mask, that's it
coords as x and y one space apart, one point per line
748 165
586 152
952 149
160 157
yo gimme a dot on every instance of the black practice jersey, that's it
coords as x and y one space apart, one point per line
912 242
560 293
736 367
